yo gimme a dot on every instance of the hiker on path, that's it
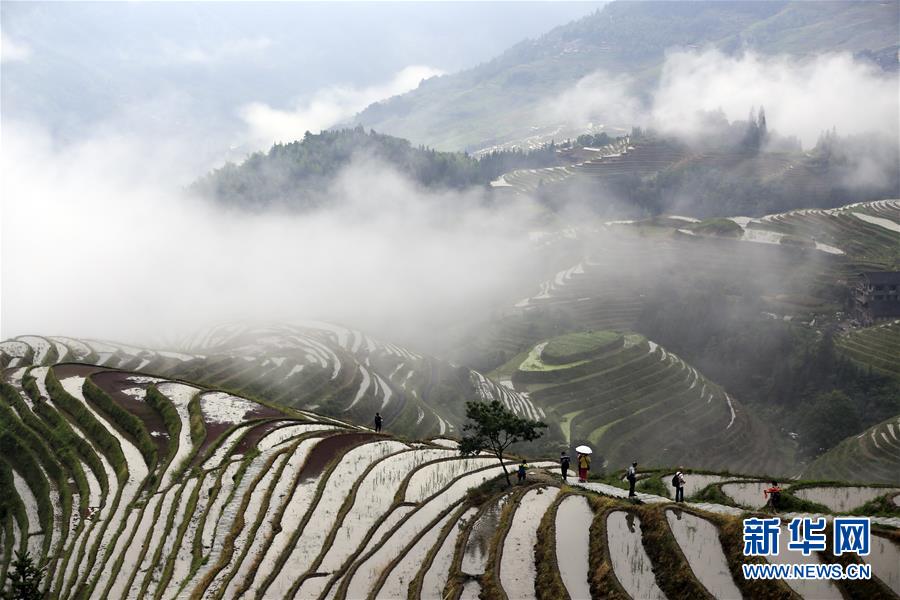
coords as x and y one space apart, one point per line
564 465
678 483
584 463
522 468
377 422
631 475
773 494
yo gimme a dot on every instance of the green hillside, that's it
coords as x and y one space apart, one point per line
871 456
757 316
300 175
876 348
499 100
630 399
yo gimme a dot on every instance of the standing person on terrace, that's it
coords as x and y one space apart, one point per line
678 482
523 469
378 421
584 463
564 465
773 495
631 475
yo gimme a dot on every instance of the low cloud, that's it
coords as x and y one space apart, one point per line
597 101
95 243
13 51
231 50
802 96
325 108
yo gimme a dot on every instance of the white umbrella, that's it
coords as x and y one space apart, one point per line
584 450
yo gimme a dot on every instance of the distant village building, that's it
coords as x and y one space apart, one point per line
876 296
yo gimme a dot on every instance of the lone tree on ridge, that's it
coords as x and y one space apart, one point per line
493 428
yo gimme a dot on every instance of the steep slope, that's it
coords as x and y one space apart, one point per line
128 486
500 100
311 366
630 399
871 456
877 348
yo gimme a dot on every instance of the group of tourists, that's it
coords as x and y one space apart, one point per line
584 465
773 494
631 475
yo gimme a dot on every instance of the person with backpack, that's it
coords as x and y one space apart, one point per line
378 422
678 484
564 465
773 494
631 475
584 464
522 469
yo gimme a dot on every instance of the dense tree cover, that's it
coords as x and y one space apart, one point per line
742 168
789 372
298 175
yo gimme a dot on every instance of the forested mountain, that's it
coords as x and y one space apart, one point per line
298 175
502 99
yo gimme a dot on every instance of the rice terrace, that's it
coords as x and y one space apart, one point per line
539 300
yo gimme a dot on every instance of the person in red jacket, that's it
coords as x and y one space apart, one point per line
773 494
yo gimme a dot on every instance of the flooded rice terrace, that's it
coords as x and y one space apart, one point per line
699 541
749 494
842 499
693 483
517 570
479 542
471 591
808 588
437 574
885 560
573 523
630 562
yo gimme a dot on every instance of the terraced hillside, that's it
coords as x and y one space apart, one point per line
129 486
313 366
619 266
630 399
877 347
621 158
796 264
529 180
867 233
871 456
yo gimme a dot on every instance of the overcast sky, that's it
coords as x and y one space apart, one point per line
202 69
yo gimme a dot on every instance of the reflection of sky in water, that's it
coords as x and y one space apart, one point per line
693 483
808 588
630 562
841 499
573 521
699 541
747 494
480 538
885 560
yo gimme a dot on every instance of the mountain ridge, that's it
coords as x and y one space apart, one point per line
489 103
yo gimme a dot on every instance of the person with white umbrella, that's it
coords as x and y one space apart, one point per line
584 462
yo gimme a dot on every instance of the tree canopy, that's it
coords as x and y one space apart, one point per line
24 579
299 175
494 428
